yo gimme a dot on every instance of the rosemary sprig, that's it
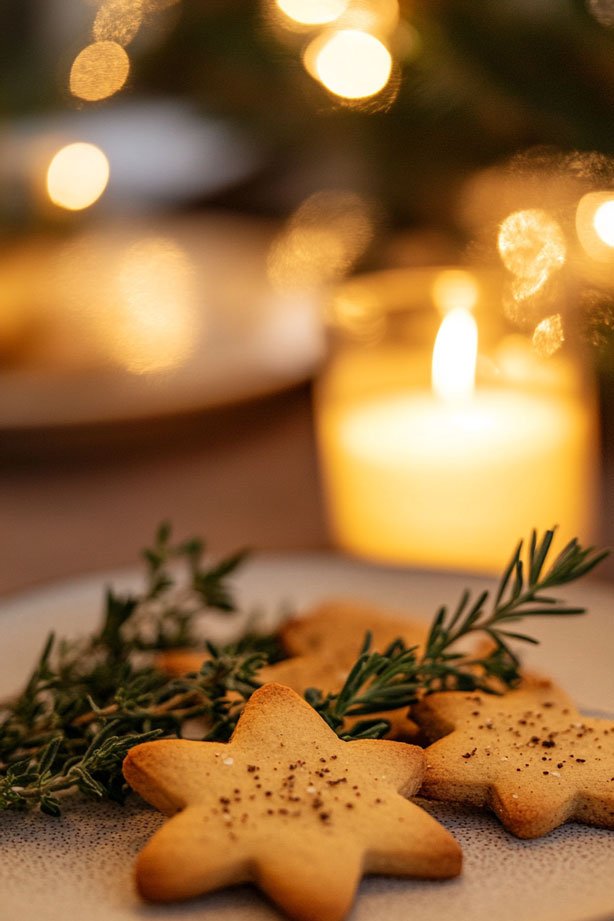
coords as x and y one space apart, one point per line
397 678
87 703
377 681
523 592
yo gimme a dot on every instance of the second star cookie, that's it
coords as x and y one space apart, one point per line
528 755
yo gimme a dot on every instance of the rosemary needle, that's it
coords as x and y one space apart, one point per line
88 702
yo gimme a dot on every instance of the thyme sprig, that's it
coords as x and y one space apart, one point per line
165 615
87 703
57 737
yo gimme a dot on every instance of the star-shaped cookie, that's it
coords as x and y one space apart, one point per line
323 646
287 805
332 632
528 755
336 629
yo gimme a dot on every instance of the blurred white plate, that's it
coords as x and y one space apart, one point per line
134 320
80 866
160 152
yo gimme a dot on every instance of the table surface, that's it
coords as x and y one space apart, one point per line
87 499
83 500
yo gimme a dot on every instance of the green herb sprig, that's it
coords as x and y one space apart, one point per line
377 681
56 737
88 702
522 593
398 677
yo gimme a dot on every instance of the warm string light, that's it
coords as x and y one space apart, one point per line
312 12
350 63
322 240
134 299
101 69
602 11
595 225
549 265
603 222
548 336
351 58
533 248
532 245
77 176
118 21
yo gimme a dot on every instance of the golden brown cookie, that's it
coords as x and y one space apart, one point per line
336 629
333 631
286 805
304 672
323 645
178 662
528 755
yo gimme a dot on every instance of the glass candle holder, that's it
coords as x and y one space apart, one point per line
430 472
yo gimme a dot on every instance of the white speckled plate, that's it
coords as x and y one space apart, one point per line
80 865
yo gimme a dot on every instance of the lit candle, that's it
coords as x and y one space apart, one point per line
452 478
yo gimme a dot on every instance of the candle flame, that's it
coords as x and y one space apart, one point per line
455 355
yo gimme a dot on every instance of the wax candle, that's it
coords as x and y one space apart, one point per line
452 478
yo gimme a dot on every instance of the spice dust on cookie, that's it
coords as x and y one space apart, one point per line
287 805
529 755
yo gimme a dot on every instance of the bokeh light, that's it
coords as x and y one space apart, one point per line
118 21
323 239
548 336
532 246
312 12
131 299
520 363
603 222
524 288
77 176
157 6
378 17
150 327
99 70
350 63
455 288
358 311
602 11
595 225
